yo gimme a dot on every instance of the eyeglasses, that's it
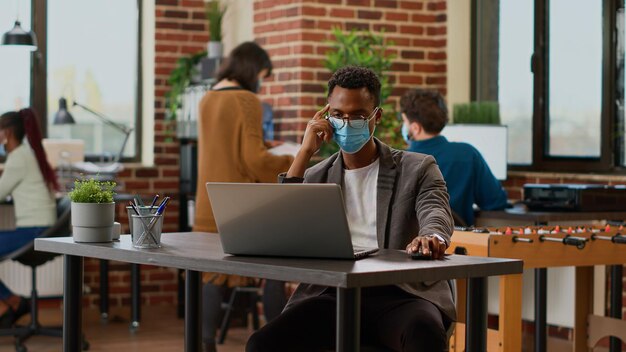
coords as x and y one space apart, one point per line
354 121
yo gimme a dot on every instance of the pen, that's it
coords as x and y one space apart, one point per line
134 208
154 200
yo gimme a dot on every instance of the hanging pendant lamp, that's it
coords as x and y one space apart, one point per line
19 37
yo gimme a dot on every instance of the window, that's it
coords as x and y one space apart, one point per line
92 59
515 80
575 78
14 62
559 73
89 52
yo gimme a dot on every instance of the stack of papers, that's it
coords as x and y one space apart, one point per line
287 148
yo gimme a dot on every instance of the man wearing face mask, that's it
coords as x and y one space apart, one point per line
393 199
467 175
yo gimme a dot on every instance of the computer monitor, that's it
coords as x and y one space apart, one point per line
490 140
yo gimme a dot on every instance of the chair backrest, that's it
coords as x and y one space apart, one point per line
61 227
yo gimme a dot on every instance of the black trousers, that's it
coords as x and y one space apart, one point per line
390 318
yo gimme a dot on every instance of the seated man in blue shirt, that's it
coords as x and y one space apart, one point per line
466 173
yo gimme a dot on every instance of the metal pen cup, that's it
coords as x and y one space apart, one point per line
143 210
146 230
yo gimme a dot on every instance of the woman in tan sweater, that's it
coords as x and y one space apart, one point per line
231 149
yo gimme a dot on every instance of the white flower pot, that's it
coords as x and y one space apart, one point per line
215 50
93 222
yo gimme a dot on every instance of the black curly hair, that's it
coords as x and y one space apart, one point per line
355 77
425 107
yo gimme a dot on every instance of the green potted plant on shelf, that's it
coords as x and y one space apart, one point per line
214 11
93 210
477 112
366 49
180 78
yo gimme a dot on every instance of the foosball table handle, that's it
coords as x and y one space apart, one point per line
579 242
619 239
519 239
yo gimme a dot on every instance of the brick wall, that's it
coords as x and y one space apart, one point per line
180 30
294 33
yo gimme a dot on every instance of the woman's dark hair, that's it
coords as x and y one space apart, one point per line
244 64
24 123
355 77
425 107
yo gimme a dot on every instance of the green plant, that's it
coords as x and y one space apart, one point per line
214 12
92 191
179 79
366 49
478 112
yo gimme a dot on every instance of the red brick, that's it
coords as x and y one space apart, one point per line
411 79
176 14
437 6
358 3
396 16
412 30
436 30
429 43
435 80
386 3
411 54
341 13
411 4
388 28
430 68
437 55
370 15
313 11
357 26
146 173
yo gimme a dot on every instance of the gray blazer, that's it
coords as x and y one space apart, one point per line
412 200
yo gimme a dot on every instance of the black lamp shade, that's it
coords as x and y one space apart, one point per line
18 36
63 117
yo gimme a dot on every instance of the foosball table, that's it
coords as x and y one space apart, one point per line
542 247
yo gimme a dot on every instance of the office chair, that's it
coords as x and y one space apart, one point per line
29 257
254 293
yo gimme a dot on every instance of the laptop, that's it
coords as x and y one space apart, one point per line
285 220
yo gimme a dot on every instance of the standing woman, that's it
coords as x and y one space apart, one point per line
31 182
231 149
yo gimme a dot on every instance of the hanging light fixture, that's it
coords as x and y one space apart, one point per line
19 37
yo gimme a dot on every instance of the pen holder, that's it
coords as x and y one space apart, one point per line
146 230
143 210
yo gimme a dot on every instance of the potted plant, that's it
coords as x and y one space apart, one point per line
477 112
215 11
93 210
478 124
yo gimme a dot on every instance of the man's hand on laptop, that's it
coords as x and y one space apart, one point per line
429 245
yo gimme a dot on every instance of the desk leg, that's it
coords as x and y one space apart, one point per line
617 273
104 289
72 303
510 322
541 289
135 296
348 320
476 315
193 309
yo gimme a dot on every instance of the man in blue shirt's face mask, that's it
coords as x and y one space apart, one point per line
468 178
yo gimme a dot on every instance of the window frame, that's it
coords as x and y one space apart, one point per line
612 146
39 76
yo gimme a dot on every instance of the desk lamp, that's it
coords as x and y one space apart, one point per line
63 117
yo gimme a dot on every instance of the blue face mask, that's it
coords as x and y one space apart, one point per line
405 133
350 139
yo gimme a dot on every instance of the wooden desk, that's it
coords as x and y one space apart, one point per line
197 252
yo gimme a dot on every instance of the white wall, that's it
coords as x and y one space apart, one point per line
459 32
238 24
147 65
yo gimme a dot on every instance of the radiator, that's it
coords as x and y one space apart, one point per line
18 277
49 277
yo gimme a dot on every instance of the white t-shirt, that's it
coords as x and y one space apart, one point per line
359 191
34 204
